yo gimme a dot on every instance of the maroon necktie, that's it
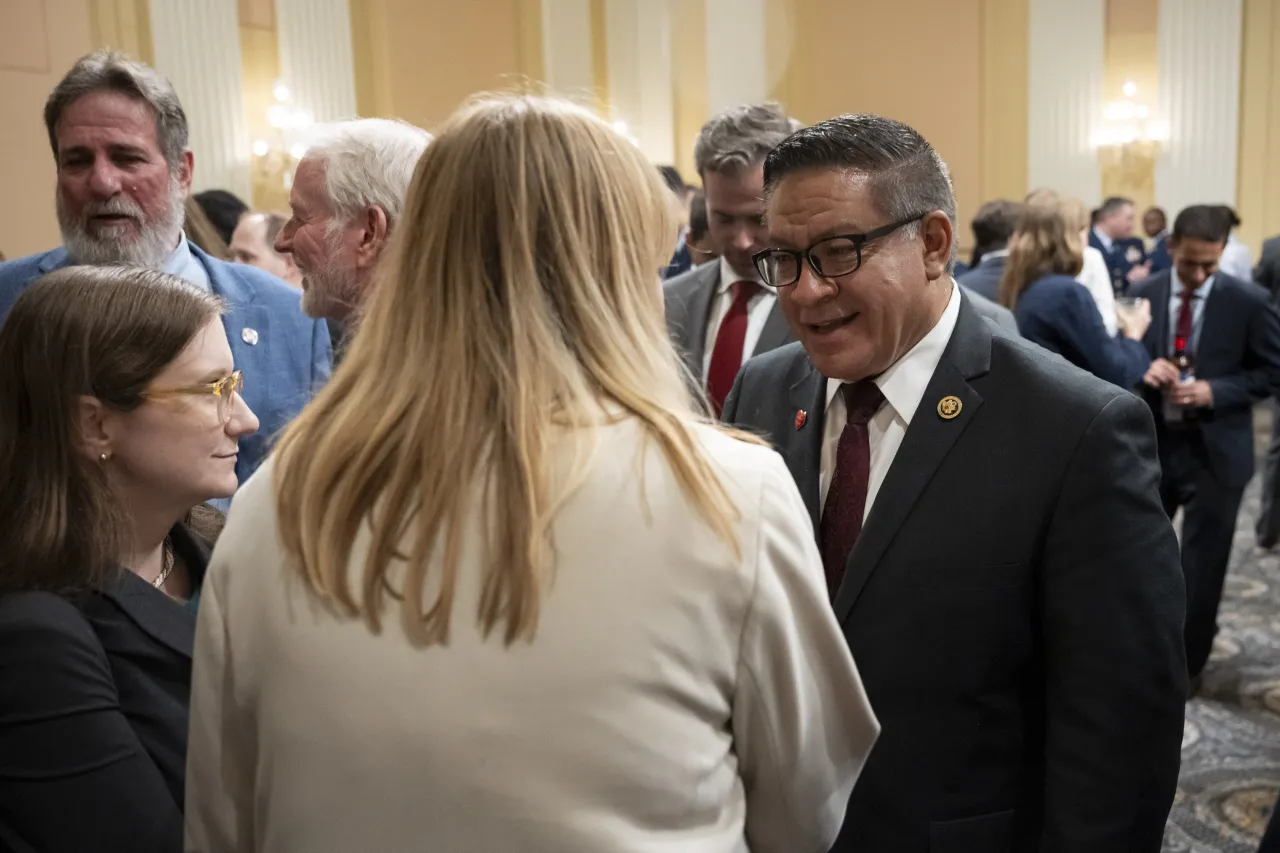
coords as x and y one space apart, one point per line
726 357
847 494
1186 318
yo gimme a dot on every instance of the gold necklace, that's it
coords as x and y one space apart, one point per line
167 564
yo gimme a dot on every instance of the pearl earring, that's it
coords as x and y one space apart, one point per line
102 458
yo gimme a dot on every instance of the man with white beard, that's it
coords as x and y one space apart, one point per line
347 198
119 138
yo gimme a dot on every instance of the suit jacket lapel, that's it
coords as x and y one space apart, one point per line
775 333
699 309
803 450
929 439
163 620
1210 318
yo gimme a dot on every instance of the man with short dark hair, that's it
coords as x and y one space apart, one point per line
1226 334
720 314
993 226
119 140
1112 234
1155 224
988 518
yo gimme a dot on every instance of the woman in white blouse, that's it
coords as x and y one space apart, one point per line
501 587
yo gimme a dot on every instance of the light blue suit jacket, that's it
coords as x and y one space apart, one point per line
285 356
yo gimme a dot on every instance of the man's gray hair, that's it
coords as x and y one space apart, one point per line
907 177
111 71
368 161
739 138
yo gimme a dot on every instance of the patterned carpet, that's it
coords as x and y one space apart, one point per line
1231 746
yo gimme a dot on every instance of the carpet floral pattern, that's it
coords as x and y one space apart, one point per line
1231 741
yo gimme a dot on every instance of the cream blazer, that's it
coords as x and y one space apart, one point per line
673 699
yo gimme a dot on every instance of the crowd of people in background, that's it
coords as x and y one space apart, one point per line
827 541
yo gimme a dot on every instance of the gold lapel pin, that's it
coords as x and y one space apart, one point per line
949 407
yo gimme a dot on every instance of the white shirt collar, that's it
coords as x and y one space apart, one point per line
906 380
994 253
728 276
1175 292
1103 239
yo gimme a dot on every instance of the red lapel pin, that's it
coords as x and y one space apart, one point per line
801 417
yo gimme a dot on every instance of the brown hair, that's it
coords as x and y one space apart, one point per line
105 332
201 231
1042 245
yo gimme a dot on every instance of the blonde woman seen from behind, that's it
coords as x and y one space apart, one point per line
501 588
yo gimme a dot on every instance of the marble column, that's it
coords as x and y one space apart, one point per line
1065 55
641 93
567 58
196 44
315 57
736 69
1199 102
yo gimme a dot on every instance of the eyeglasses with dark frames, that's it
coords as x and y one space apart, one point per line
830 257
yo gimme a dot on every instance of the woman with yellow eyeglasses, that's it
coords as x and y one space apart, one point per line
119 413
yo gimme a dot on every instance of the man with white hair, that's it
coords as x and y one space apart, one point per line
347 197
119 139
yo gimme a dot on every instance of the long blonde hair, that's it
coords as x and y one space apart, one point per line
521 294
1043 244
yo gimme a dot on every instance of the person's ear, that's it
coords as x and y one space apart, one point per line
374 228
186 169
91 422
936 231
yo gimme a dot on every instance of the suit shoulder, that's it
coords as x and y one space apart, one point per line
1247 290
264 285
776 363
1150 284
21 271
1049 382
690 281
44 620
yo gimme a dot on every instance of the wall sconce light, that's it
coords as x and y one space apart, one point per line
276 156
1129 124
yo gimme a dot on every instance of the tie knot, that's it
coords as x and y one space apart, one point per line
862 399
744 290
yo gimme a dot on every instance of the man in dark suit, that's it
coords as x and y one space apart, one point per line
1112 234
1230 334
1267 272
119 139
988 517
993 226
719 314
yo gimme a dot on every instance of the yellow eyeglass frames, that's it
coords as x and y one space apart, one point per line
225 389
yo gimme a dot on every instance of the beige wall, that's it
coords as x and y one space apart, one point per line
923 63
1258 185
39 41
420 59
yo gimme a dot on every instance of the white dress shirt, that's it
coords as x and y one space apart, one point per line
1197 311
1104 239
903 386
758 309
184 265
1236 261
1096 278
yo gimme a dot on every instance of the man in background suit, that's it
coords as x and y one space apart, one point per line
1155 224
719 314
1267 272
119 139
989 521
993 226
1204 422
1112 234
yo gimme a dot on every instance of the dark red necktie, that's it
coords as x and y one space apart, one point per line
1186 319
847 494
726 357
